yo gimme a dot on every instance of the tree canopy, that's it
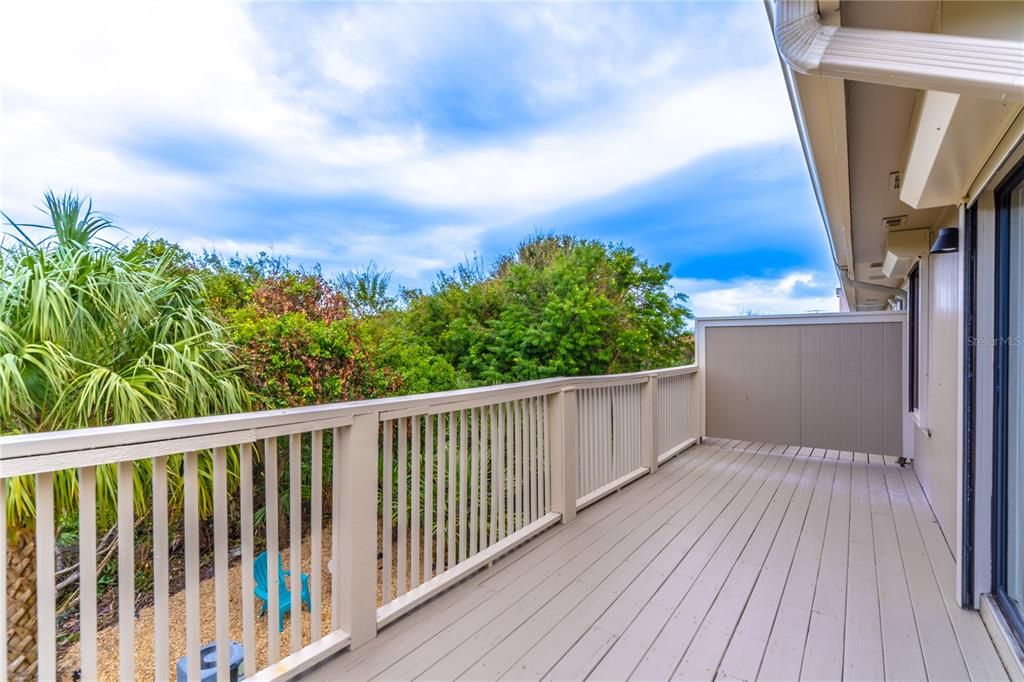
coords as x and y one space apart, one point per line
556 306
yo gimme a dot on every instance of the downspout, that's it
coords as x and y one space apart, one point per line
978 67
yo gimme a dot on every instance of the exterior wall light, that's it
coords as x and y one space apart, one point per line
948 241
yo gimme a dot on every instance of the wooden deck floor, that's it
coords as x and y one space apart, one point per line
736 560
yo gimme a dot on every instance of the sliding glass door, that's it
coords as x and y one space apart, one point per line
1008 499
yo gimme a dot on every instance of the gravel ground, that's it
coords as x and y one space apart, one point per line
107 639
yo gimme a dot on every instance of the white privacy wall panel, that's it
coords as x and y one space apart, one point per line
817 385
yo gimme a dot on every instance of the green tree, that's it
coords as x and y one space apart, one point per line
300 345
367 290
556 306
93 334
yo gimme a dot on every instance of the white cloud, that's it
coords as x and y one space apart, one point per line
309 100
580 160
114 69
796 292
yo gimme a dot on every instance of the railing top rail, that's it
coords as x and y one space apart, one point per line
244 424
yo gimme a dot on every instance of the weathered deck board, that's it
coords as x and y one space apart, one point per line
736 560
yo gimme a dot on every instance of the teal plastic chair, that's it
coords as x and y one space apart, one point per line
284 595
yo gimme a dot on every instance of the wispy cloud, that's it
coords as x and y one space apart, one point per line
412 134
795 292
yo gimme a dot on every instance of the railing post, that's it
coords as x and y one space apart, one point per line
357 558
564 453
649 423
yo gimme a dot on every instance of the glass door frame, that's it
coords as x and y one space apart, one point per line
1003 197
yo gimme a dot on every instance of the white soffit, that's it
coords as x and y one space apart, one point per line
951 141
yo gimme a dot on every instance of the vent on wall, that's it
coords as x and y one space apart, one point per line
894 221
902 249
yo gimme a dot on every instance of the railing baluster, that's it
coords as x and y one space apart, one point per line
336 523
220 558
547 453
442 488
588 433
316 517
527 453
125 569
161 564
495 491
581 434
463 481
452 486
616 423
403 505
474 481
428 497
520 507
602 426
594 430
190 465
87 566
248 582
623 444
486 484
386 511
508 453
414 558
499 468
46 600
538 463
295 539
272 481
605 434
634 432
624 453
591 431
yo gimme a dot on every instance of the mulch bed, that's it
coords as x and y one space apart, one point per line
108 638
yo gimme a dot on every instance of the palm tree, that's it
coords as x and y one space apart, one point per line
91 334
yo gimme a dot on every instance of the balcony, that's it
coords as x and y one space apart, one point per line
604 527
737 560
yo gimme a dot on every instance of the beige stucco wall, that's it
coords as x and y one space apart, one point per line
818 385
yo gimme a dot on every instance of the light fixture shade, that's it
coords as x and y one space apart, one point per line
948 241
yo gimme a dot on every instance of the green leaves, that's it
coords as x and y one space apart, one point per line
93 334
557 306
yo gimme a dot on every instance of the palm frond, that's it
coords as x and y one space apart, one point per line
91 334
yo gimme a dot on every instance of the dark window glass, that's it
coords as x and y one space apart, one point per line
1008 500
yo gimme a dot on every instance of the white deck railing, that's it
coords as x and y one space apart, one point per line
435 485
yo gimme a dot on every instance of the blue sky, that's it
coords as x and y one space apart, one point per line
417 135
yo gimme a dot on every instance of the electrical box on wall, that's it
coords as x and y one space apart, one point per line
895 181
902 248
